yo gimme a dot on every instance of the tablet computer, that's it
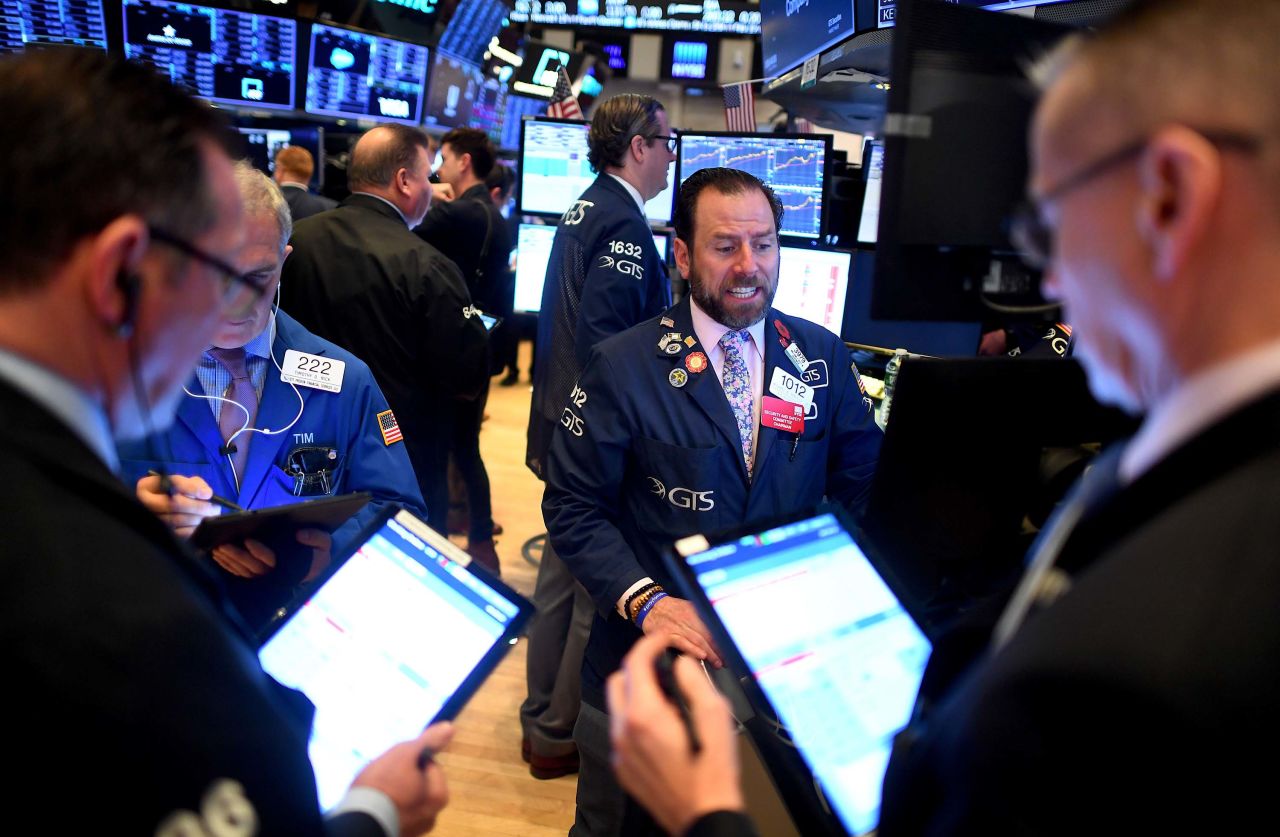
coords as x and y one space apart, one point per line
398 636
827 647
278 523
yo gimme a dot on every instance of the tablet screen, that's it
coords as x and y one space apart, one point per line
385 643
827 642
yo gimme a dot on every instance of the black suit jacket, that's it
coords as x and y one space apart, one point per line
303 204
360 278
131 691
459 229
1141 700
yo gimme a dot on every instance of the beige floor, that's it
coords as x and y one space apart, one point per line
491 790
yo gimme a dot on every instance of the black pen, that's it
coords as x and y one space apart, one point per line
166 485
795 443
425 757
665 671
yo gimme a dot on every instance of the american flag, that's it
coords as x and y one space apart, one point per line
739 107
390 427
564 105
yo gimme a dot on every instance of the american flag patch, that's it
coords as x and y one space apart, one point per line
390 427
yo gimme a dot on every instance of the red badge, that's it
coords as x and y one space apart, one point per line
781 415
784 333
696 362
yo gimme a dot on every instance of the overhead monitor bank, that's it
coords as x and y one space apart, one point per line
359 75
31 23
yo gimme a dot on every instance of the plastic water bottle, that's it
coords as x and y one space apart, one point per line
891 370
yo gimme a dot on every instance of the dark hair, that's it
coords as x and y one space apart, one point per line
377 165
475 142
501 178
724 181
93 138
613 125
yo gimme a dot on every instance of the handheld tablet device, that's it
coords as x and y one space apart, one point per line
400 635
278 522
831 652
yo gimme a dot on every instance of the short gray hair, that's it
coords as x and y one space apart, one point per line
261 196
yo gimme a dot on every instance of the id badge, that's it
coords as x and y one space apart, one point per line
314 371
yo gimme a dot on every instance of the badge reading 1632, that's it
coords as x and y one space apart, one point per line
313 371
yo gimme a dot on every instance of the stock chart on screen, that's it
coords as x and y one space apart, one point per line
794 167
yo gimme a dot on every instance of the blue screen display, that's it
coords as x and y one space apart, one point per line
34 23
362 76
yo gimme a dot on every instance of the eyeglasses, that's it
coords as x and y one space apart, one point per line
239 291
1034 237
671 140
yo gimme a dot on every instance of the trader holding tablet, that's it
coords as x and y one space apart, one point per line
138 704
273 415
1131 686
719 412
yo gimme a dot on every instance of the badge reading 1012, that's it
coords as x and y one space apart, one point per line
315 371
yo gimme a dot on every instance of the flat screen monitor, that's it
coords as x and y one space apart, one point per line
792 31
943 247
455 87
227 57
359 75
554 171
690 59
533 253
816 628
25 24
795 165
873 170
616 51
938 338
536 75
474 23
812 285
489 112
262 145
518 107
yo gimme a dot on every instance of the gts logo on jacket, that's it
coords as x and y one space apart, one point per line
683 498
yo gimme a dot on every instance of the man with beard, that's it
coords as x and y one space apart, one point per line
683 424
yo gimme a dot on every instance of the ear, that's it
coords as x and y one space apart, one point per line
114 259
682 257
1180 176
637 148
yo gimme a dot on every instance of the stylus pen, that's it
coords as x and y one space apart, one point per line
215 499
425 757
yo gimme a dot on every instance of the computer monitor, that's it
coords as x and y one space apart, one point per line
812 284
474 23
227 57
955 162
489 111
455 87
262 144
937 338
792 31
554 171
27 24
795 165
359 75
518 107
533 253
873 171
689 58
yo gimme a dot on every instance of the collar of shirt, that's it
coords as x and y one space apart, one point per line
631 190
215 380
709 332
387 202
69 403
1201 400
293 184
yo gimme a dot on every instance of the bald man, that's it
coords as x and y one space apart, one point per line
359 277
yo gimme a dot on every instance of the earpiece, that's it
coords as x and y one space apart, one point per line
130 287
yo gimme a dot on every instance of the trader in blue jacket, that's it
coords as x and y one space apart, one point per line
304 417
719 413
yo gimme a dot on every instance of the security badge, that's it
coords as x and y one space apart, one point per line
793 352
315 371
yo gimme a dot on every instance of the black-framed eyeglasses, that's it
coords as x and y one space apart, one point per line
671 140
1034 237
233 281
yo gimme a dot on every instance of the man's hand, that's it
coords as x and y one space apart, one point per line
257 559
182 510
678 621
651 749
442 192
253 560
418 793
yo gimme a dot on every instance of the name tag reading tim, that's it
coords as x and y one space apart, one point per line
315 371
781 415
